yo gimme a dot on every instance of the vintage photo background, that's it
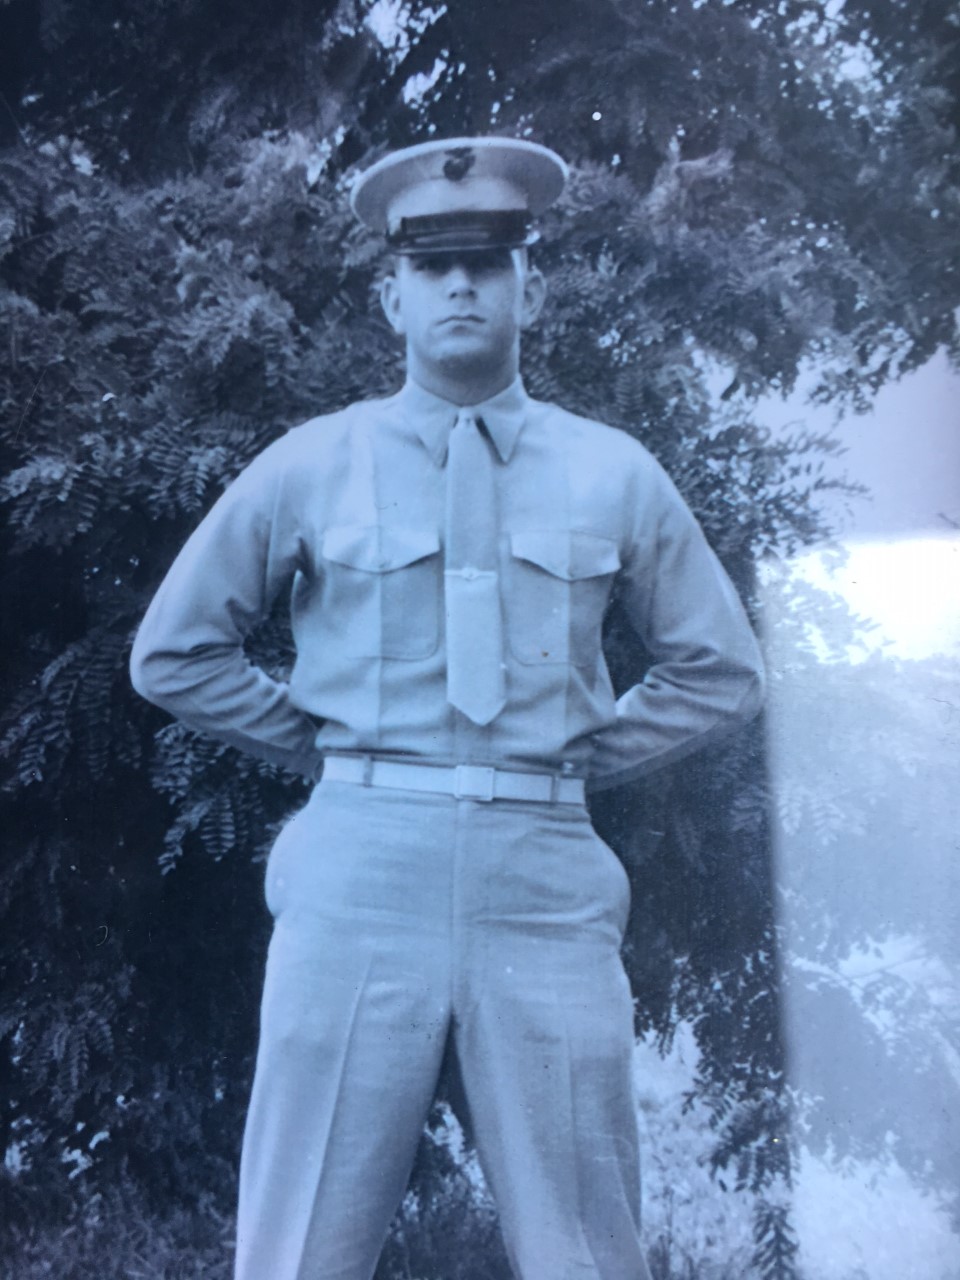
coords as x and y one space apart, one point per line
759 239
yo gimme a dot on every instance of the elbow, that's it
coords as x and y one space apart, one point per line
753 681
759 679
755 695
141 673
150 673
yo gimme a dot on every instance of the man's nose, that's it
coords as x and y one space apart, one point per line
459 279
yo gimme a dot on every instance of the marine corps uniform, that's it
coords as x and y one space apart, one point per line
448 565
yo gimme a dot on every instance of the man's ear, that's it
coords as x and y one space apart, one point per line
390 301
534 296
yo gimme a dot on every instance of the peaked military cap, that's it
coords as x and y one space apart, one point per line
459 193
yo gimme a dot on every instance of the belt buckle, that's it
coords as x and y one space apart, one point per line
473 782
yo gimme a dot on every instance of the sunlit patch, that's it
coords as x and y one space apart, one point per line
909 587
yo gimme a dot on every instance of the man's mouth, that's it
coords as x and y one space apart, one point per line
466 318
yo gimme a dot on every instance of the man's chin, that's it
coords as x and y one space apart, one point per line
471 357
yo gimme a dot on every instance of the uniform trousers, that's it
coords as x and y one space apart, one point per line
402 918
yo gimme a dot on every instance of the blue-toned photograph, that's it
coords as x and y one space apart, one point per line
480 498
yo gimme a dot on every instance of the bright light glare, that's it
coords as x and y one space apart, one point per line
909 586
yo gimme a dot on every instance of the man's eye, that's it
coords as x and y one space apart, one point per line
482 262
487 261
437 266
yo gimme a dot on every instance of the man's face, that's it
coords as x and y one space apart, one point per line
463 310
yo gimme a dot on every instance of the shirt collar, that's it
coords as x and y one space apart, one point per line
432 418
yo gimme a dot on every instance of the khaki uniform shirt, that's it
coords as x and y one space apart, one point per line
346 514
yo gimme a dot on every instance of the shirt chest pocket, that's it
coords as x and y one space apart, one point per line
560 582
381 590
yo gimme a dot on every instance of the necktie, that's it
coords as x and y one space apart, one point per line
475 675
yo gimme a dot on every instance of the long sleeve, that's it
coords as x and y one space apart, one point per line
344 515
707 672
188 656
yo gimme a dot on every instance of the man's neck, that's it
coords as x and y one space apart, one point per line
462 387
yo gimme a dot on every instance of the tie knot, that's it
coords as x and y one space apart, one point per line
468 439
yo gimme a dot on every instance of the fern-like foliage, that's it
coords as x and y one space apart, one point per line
775 1242
181 281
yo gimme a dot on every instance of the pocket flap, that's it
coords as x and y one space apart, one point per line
566 553
378 548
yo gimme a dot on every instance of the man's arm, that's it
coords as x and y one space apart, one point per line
707 672
188 655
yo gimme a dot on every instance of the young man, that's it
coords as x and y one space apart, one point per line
450 553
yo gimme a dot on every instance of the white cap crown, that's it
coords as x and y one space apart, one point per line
459 193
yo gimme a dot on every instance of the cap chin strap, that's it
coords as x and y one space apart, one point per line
462 229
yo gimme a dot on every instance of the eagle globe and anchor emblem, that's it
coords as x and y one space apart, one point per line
460 160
